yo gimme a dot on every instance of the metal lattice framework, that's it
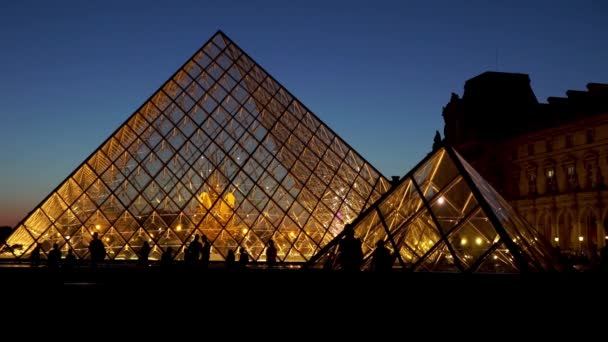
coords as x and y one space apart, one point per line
443 216
221 149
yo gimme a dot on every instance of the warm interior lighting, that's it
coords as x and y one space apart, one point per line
580 238
556 239
463 241
176 175
67 237
478 241
495 257
441 200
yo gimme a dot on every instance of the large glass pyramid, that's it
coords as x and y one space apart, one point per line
442 216
221 149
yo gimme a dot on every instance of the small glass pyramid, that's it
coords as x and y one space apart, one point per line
444 217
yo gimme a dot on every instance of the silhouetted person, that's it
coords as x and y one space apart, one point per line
97 250
230 259
381 258
70 260
205 252
194 251
349 252
144 252
166 259
54 257
243 257
271 254
35 256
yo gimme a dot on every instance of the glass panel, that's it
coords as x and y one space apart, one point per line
305 246
183 228
499 261
225 242
67 224
140 208
420 235
425 171
96 223
294 256
440 260
126 225
46 241
469 243
450 207
370 231
80 242
83 208
442 173
113 242
69 191
54 206
37 223
17 244
168 238
84 177
255 245
210 227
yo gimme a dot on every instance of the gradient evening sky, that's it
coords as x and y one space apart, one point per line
377 72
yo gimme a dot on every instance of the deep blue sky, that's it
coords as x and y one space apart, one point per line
377 72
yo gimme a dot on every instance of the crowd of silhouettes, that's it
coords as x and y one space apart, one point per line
348 256
54 257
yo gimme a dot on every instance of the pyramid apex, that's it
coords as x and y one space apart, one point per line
221 149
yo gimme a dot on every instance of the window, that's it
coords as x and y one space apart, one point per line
530 149
568 141
532 184
551 182
572 178
590 136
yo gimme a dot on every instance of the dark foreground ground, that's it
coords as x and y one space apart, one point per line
311 300
185 282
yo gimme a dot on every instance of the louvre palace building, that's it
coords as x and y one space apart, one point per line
549 160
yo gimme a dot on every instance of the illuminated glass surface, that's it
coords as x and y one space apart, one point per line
444 217
221 149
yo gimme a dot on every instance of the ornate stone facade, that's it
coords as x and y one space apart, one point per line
550 160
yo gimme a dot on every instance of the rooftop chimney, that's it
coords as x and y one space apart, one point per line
394 180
